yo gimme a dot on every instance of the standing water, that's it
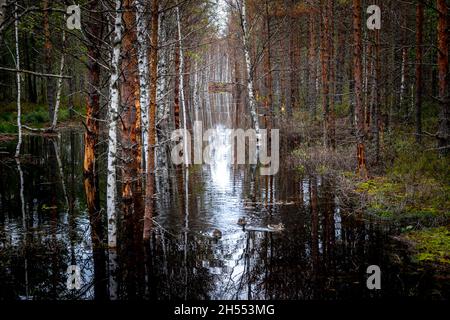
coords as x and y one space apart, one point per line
198 249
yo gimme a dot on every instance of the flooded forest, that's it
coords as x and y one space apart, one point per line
224 150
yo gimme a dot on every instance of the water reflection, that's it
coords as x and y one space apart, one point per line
323 252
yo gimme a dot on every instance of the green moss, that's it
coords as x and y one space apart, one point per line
415 185
33 115
431 245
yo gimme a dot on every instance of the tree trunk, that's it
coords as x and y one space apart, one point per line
131 110
113 114
95 31
249 66
443 135
152 132
312 64
182 97
330 120
48 60
357 73
60 79
18 79
325 62
268 70
419 58
176 91
143 70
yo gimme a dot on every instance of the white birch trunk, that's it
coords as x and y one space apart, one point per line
196 92
248 64
60 79
183 104
111 187
18 76
143 67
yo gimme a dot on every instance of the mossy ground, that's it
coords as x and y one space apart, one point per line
33 115
417 184
430 245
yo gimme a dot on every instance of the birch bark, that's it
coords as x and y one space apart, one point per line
113 108
18 76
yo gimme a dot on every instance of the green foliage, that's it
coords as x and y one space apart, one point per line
431 245
416 185
32 115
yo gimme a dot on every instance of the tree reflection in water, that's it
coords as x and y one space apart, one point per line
323 253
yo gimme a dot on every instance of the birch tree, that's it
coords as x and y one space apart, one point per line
143 70
60 80
181 81
18 79
113 114
248 65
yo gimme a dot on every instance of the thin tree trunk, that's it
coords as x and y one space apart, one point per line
268 70
183 101
152 132
249 67
48 60
325 62
443 135
60 79
18 79
176 91
143 70
330 121
377 97
419 59
357 70
312 64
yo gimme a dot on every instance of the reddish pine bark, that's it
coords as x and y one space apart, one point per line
152 130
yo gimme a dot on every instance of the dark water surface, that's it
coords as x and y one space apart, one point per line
322 253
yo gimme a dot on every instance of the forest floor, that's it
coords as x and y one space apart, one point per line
409 185
33 115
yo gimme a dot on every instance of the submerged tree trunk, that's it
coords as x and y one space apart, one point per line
18 79
113 114
249 66
357 73
443 135
152 130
